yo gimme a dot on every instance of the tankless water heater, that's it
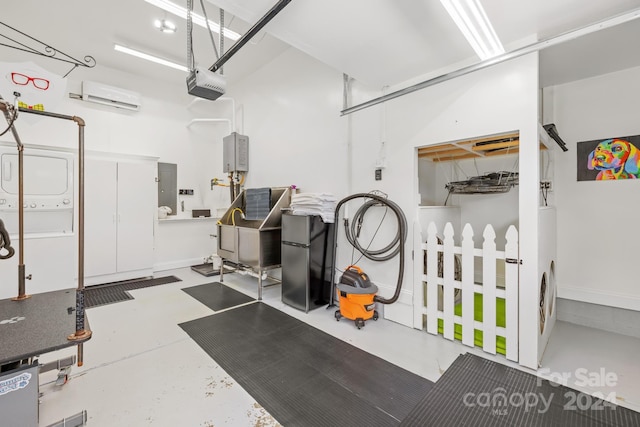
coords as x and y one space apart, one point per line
235 155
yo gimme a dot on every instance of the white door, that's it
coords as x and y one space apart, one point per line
137 192
100 217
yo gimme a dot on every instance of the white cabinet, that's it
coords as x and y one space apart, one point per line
120 206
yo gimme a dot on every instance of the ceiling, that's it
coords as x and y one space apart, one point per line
378 42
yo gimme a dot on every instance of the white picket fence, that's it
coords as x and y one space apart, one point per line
468 287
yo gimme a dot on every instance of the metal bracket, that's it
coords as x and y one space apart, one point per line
26 43
78 419
59 364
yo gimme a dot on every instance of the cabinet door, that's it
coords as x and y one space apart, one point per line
100 217
137 195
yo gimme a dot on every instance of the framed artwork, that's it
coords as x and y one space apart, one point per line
609 158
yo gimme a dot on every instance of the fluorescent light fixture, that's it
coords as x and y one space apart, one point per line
471 19
197 19
148 57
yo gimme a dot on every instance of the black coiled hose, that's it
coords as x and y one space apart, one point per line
391 250
5 243
352 233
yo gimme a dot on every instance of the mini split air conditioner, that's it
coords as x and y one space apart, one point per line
109 95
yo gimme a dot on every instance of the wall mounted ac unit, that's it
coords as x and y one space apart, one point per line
109 95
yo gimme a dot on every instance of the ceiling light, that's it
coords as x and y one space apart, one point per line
148 57
165 25
472 21
197 19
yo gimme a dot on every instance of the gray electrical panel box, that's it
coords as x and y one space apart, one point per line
235 153
168 186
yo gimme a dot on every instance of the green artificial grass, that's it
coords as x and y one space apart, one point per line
501 342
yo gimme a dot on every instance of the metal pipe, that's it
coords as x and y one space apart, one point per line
22 291
48 114
21 267
534 47
82 333
249 34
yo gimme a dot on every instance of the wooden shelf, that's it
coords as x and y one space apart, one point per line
496 145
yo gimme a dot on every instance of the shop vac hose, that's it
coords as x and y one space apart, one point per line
352 232
5 243
392 249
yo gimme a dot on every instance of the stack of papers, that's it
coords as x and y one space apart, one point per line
322 204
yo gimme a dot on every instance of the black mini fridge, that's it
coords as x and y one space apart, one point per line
307 253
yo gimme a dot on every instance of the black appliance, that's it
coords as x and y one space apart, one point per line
307 253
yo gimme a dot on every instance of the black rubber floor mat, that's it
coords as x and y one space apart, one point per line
478 392
217 296
110 293
303 376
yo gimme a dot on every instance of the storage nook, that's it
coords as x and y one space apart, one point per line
468 286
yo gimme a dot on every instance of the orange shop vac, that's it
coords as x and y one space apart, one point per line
357 294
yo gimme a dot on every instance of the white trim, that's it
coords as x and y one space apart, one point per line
108 155
629 302
172 265
175 218
88 153
117 277
39 147
406 296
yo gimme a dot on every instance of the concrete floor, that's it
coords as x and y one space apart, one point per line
140 368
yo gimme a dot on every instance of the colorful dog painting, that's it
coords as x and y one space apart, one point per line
615 158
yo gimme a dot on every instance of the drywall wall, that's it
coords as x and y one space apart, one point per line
159 130
290 111
499 99
597 220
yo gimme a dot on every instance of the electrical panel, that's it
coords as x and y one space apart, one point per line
235 153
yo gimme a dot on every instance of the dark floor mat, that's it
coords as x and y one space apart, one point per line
110 293
217 296
303 376
478 392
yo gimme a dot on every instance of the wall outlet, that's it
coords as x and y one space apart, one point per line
378 174
185 192
546 185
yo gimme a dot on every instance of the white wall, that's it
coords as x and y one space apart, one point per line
597 221
499 99
290 111
159 130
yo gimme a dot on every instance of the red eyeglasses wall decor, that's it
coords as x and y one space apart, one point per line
23 80
37 88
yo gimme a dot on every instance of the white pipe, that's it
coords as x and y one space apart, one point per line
233 111
193 121
223 98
